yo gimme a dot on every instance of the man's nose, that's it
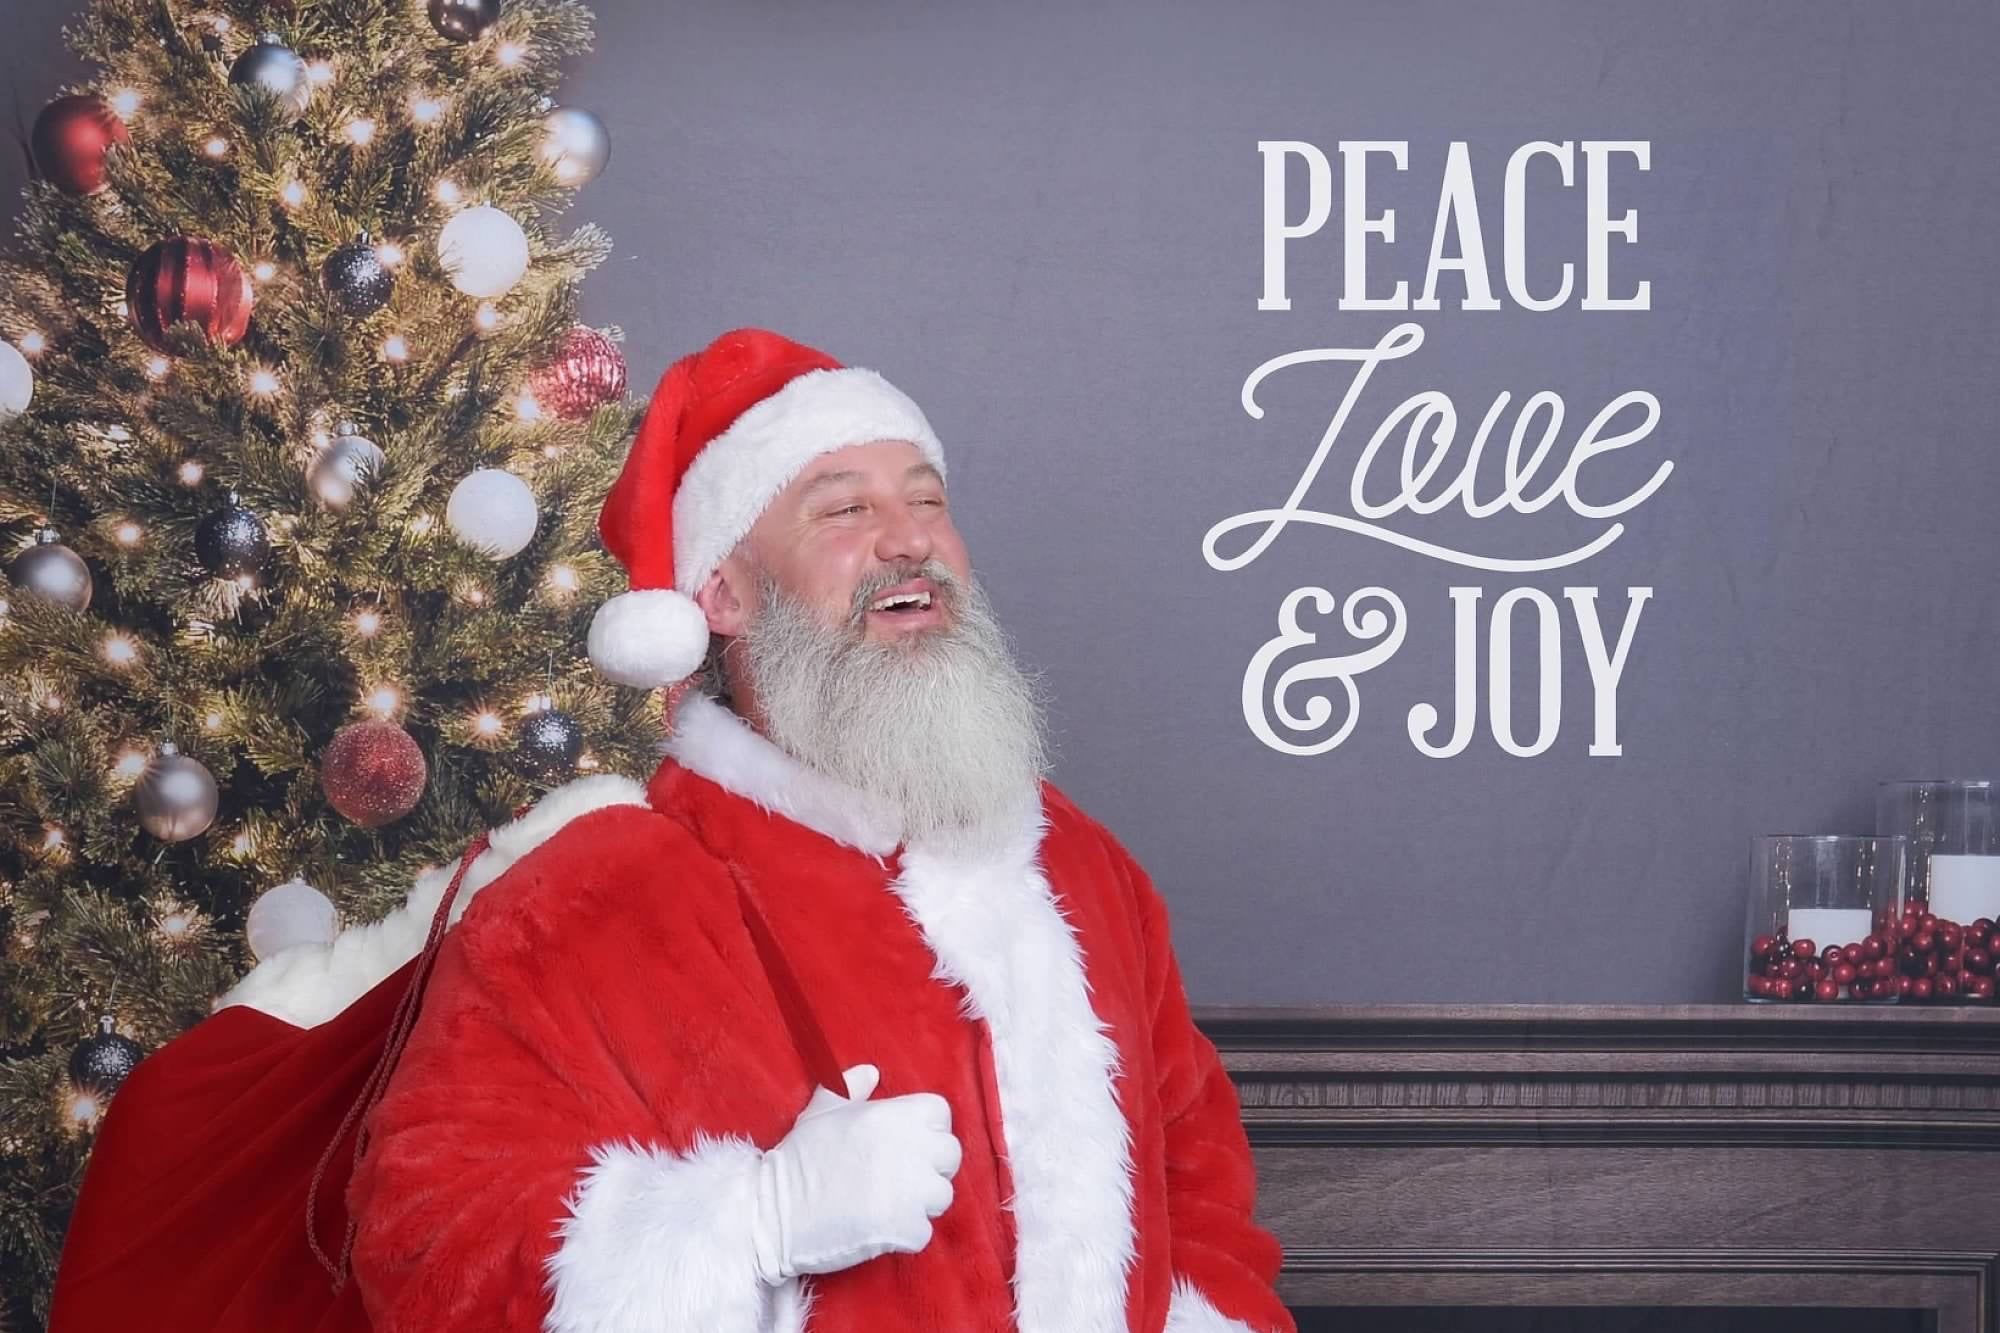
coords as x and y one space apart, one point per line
903 536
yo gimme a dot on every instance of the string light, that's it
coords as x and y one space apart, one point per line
527 407
487 317
54 840
384 700
474 594
212 721
487 723
425 109
396 348
367 623
319 73
126 102
537 703
128 533
217 146
131 763
157 367
191 473
360 131
422 524
264 382
83 1110
4 608
119 650
509 54
264 270
241 844
563 578
177 926
446 191
245 582
586 761
220 22
293 194
389 253
32 343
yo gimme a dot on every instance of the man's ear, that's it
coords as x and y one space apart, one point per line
726 598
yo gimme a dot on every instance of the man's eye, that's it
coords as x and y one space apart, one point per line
850 509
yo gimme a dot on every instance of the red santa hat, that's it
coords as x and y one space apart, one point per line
728 428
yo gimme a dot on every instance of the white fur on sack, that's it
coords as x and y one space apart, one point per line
310 983
1190 1312
648 637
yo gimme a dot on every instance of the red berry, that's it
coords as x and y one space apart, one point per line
1930 921
1803 949
1788 969
1925 941
1982 926
1873 947
1953 962
1905 985
1920 988
1756 986
1827 990
1846 974
1980 988
1951 933
1977 959
1763 946
1946 985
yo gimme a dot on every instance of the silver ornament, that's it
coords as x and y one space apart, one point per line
339 469
176 795
277 69
52 572
577 144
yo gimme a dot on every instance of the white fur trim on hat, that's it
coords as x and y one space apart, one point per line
648 637
741 471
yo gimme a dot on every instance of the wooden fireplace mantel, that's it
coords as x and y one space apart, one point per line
1700 1155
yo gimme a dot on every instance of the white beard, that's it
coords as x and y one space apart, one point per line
944 729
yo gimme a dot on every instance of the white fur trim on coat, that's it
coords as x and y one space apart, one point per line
739 472
1190 1312
993 922
714 742
310 983
661 1242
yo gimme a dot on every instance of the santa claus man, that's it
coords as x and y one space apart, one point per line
849 1019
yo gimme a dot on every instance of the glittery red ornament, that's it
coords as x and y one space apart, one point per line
373 773
70 139
187 278
585 371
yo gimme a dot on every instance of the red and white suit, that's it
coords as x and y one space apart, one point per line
569 1143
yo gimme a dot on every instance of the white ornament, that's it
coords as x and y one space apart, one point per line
17 381
342 467
493 512
293 913
484 250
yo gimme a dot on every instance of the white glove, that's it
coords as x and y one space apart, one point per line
853 1179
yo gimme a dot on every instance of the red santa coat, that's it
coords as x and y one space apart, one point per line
570 1141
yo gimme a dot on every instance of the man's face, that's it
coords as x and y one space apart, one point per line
829 538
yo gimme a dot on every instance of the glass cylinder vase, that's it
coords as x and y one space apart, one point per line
1822 907
1954 833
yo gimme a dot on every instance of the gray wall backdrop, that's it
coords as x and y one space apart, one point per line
1043 221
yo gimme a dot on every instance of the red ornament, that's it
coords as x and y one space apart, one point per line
187 278
585 372
70 139
373 773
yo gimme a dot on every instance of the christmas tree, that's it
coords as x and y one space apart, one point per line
301 450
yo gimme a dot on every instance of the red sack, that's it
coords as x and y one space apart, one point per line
192 1213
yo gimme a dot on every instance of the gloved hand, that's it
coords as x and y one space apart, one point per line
854 1179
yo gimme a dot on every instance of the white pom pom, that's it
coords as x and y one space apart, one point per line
493 512
293 913
648 638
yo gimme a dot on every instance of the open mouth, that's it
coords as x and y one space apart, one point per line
901 603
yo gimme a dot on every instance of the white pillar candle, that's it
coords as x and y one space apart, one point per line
1829 925
1965 888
